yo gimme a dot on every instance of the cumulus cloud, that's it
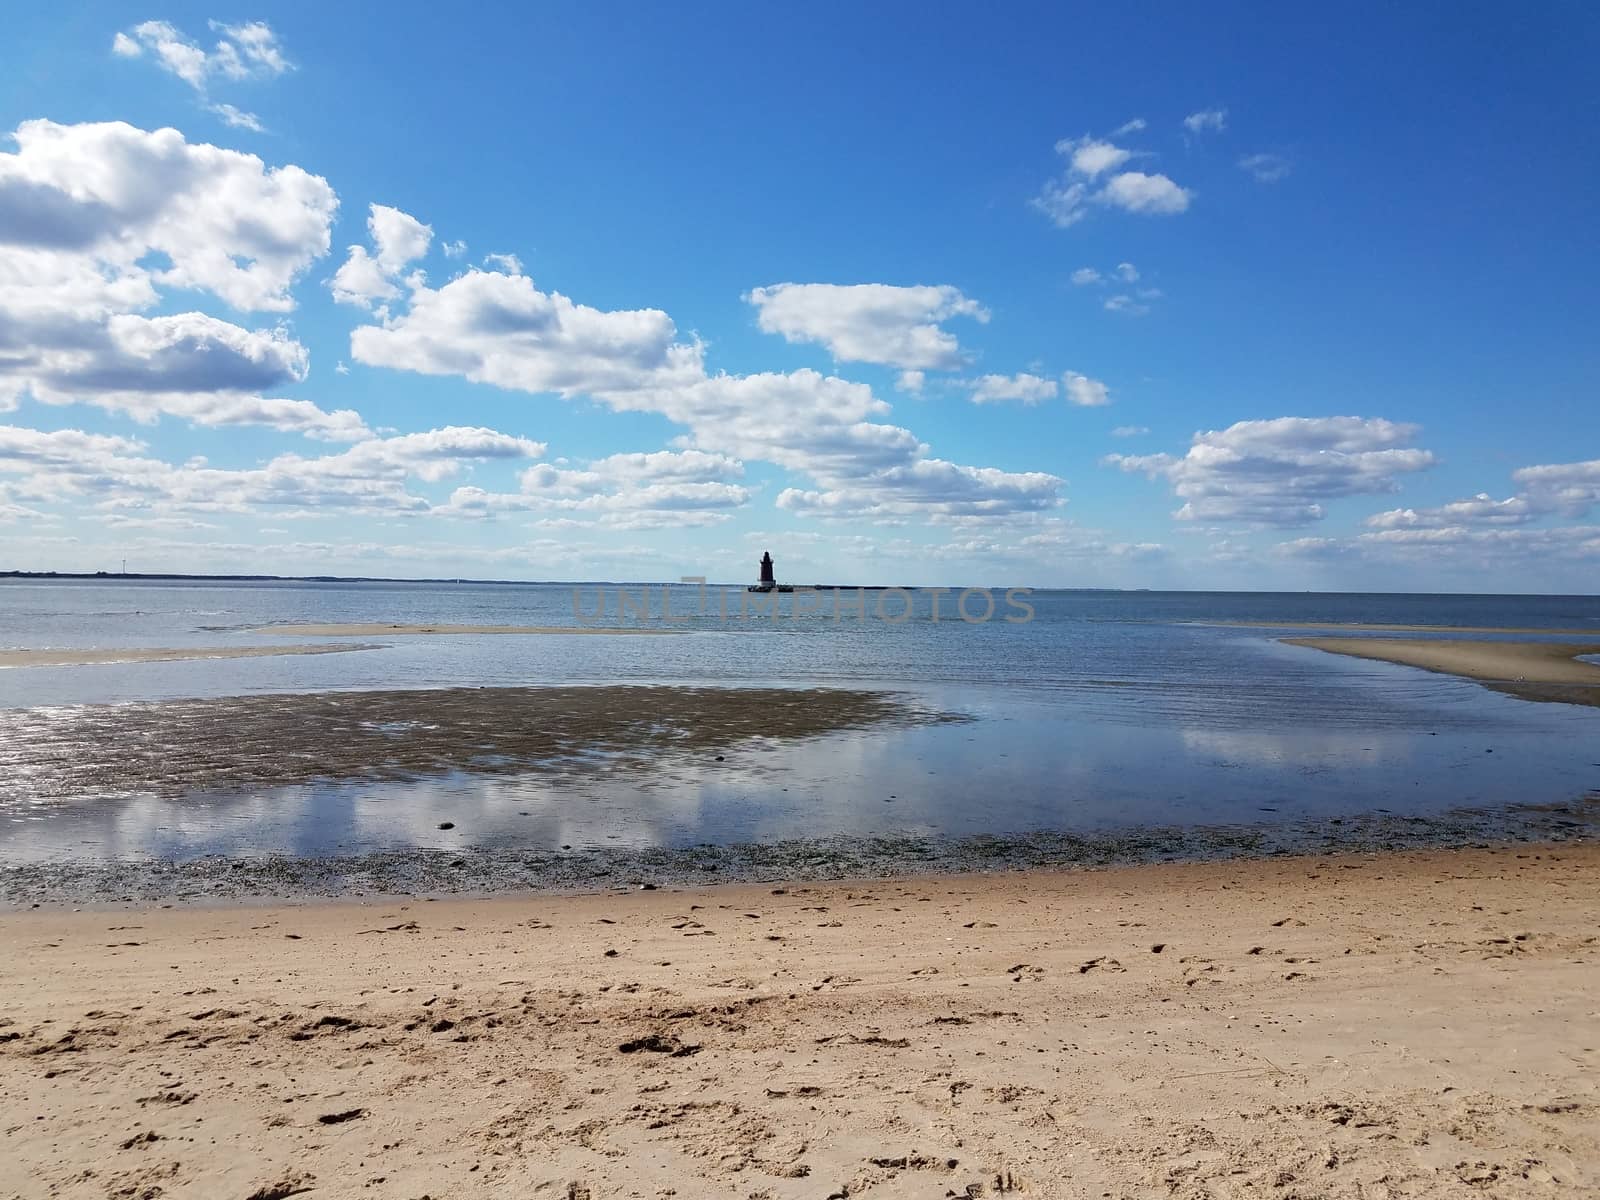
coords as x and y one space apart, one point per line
223 221
1091 157
1266 168
500 329
1136 192
1030 389
1281 472
869 322
911 382
1086 276
1565 489
369 477
1085 392
510 264
96 220
398 239
1570 488
928 488
497 327
1481 509
1070 198
661 489
1211 120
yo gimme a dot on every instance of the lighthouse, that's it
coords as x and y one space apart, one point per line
767 581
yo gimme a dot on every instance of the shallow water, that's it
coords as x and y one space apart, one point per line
1107 711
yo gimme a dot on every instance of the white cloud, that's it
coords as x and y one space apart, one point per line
911 382
926 488
369 477
238 118
1133 126
361 281
1266 168
96 219
869 322
1085 276
634 491
1085 392
1091 157
1127 272
509 264
1065 202
398 239
1128 431
1481 509
456 249
1068 200
1030 389
1136 192
1570 488
1280 472
1459 547
242 52
117 195
249 51
499 329
1211 120
1126 305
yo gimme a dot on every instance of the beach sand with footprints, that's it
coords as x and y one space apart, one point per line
1416 1024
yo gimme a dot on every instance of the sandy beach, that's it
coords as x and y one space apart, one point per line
1546 671
379 629
1376 627
1419 1024
100 657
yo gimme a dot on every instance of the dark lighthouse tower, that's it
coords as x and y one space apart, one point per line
767 578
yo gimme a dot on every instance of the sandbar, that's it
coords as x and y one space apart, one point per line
378 629
1375 628
101 657
1416 1024
1547 671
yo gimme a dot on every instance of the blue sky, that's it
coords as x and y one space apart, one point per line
1233 297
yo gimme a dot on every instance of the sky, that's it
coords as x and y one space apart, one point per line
1234 297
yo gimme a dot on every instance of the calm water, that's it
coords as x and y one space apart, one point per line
1106 710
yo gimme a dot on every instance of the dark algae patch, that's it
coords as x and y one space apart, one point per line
175 748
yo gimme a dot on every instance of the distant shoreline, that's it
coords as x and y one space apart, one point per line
182 577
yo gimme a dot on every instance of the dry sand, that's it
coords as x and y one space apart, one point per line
100 657
378 629
1531 670
1420 1025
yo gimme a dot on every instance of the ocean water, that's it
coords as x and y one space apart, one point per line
1104 711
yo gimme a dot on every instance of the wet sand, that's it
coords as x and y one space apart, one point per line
1417 1024
377 629
183 746
1546 671
81 658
